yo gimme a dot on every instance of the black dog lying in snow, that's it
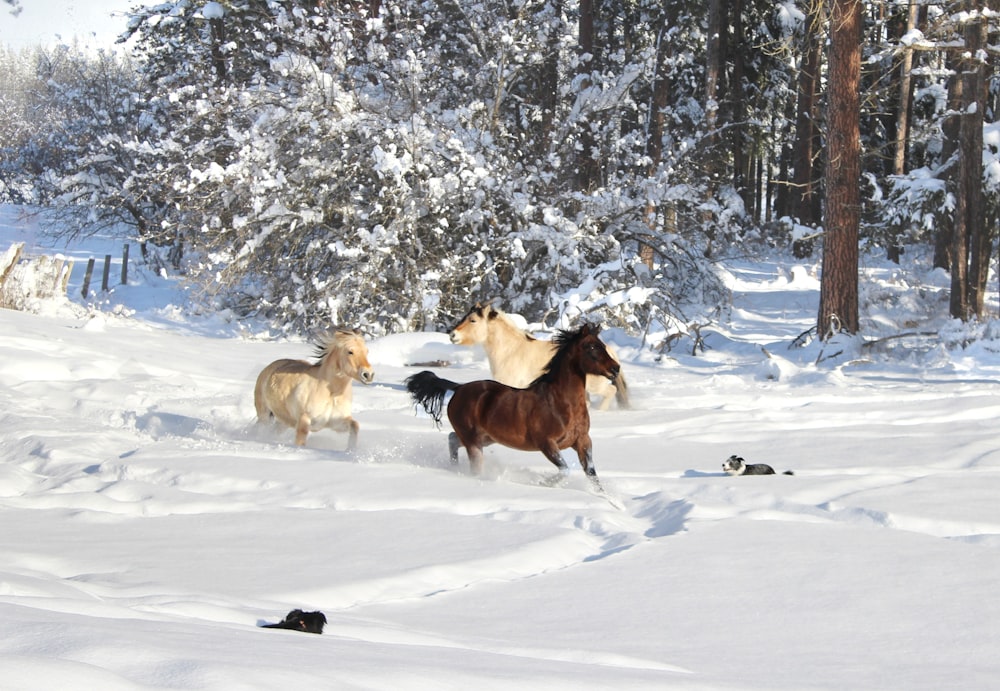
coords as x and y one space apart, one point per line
297 620
735 465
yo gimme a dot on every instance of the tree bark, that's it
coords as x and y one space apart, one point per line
587 168
218 32
899 162
905 98
944 240
970 243
744 158
838 307
548 98
713 69
959 238
971 162
654 135
804 196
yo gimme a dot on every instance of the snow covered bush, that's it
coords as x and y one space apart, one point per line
316 163
388 171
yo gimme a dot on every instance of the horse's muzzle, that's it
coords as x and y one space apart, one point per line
367 376
613 372
455 338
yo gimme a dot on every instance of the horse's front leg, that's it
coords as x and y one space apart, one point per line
302 429
585 451
352 434
601 388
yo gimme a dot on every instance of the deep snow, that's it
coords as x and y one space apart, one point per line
148 526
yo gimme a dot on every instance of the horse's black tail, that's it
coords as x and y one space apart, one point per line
428 390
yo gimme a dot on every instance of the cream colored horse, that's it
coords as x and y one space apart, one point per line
310 397
517 358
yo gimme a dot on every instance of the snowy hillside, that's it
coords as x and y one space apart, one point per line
149 526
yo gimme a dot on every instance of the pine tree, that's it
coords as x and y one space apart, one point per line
838 308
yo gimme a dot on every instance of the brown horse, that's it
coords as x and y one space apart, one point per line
517 358
310 397
550 415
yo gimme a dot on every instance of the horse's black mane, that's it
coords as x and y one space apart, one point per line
564 340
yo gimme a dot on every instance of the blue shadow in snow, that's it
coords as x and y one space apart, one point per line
666 518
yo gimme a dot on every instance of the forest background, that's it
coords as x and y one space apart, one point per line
387 163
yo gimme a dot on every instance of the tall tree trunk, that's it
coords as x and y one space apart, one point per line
549 80
944 239
899 161
713 68
654 135
959 238
712 160
782 190
838 305
743 163
905 98
217 29
803 197
587 168
971 161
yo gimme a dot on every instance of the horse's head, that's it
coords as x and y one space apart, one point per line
593 355
348 353
473 328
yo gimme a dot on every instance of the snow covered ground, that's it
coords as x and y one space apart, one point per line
148 527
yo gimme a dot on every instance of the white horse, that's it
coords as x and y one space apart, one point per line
517 358
310 397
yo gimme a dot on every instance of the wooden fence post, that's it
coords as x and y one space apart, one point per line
87 276
107 272
125 264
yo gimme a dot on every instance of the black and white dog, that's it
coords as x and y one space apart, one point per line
735 465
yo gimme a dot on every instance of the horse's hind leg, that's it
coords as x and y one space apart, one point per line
475 453
475 459
473 448
259 404
551 452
